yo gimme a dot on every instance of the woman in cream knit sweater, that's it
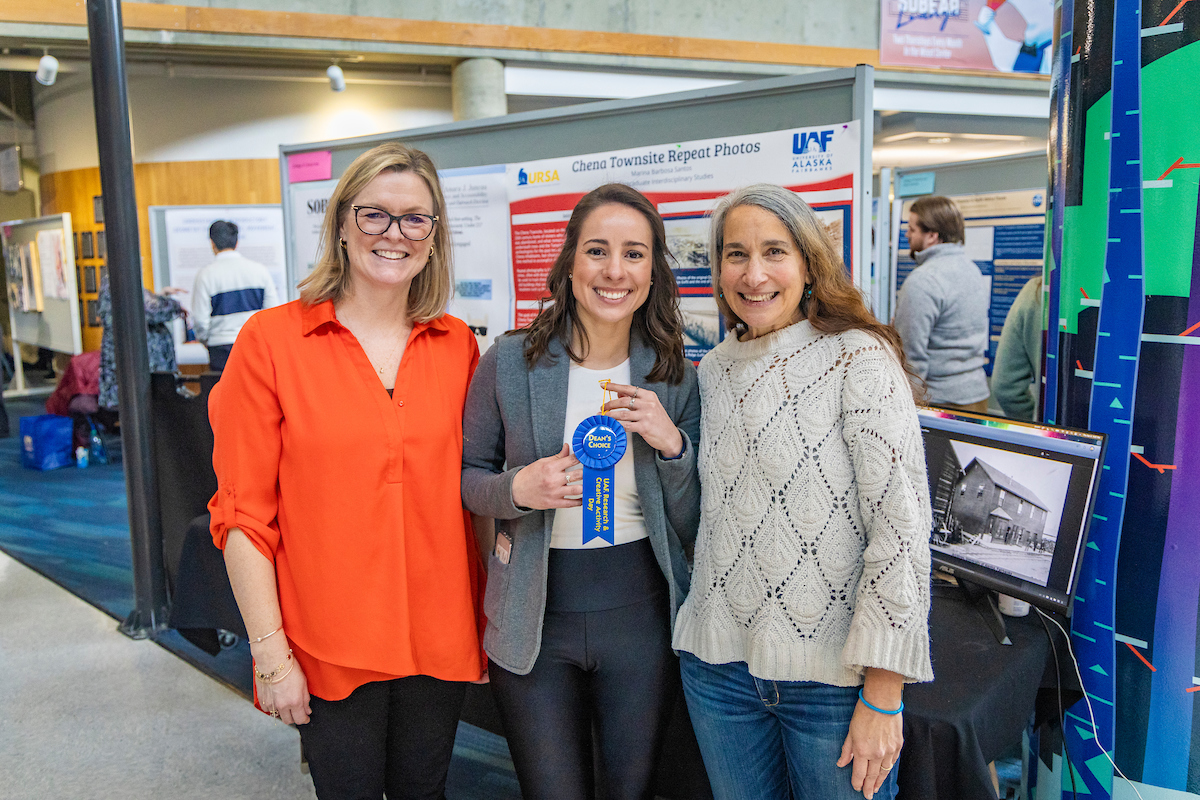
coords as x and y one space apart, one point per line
810 596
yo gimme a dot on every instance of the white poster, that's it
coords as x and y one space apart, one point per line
477 213
1004 233
260 238
308 201
685 180
53 259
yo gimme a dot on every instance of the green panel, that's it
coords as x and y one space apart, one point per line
1085 227
1170 119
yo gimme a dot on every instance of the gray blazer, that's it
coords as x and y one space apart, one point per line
515 416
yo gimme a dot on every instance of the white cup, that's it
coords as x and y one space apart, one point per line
1012 607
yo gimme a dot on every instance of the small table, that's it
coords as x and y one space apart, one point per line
979 703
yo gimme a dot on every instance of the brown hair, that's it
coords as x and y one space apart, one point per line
330 278
937 214
835 305
657 320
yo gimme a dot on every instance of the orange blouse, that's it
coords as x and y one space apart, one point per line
353 495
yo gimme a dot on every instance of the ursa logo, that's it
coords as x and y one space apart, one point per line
810 152
525 178
1037 201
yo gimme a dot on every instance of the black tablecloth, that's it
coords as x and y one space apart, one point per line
977 706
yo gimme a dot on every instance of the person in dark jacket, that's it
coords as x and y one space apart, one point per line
580 609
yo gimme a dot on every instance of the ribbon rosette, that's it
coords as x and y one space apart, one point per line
599 443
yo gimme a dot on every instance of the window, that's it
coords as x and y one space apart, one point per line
980 492
1002 495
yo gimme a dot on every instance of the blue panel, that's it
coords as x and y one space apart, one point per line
1114 390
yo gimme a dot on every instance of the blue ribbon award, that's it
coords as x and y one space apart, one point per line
599 443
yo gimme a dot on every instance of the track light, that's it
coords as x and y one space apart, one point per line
47 71
337 78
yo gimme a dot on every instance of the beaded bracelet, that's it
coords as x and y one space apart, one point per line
279 678
877 709
269 675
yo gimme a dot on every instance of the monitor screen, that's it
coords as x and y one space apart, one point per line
1011 502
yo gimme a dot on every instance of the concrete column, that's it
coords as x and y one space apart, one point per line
477 85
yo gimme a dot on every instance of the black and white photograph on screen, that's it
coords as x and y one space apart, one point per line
998 508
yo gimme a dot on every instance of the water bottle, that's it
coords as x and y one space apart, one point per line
98 453
81 456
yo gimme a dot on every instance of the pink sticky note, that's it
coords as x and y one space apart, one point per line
316 166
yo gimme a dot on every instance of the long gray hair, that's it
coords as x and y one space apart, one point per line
835 304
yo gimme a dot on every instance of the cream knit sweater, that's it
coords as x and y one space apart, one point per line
813 556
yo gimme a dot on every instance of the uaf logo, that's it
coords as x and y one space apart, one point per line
525 178
810 152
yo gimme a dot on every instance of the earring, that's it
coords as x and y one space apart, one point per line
721 294
570 276
343 243
808 291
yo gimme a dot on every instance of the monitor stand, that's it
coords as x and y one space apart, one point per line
984 601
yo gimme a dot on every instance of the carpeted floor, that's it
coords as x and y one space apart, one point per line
71 525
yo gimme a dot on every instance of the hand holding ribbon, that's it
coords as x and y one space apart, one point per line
640 411
549 482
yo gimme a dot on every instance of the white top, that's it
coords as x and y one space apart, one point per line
228 292
812 561
584 398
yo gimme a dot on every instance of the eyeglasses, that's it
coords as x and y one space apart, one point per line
376 222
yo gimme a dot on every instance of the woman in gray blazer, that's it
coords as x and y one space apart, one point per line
580 606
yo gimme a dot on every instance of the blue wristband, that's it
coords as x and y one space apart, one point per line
877 709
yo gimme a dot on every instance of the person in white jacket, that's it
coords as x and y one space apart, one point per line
227 293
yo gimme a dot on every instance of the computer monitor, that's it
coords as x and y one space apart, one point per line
1011 502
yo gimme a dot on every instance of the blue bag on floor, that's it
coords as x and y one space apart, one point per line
46 442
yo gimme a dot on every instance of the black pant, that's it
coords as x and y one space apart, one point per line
389 736
607 672
218 354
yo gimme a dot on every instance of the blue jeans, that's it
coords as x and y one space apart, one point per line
770 740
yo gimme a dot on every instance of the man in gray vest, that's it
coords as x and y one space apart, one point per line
227 293
942 311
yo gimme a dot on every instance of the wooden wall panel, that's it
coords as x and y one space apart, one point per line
158 184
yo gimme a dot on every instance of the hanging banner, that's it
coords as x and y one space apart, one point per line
684 180
992 35
1005 234
477 213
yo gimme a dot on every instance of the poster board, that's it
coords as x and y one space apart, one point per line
685 181
826 100
1005 236
180 248
39 263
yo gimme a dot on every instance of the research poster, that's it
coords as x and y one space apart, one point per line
260 238
477 213
1004 232
684 180
307 209
992 35
53 261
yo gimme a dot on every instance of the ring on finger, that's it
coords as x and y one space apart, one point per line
636 389
631 402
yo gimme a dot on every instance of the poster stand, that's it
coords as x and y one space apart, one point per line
1004 204
39 257
827 99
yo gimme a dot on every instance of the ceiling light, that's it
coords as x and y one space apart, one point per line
337 78
47 70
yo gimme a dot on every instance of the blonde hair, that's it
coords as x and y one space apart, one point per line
433 286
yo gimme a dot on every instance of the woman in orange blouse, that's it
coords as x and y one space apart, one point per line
338 444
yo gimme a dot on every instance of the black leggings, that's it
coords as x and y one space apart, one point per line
388 736
605 668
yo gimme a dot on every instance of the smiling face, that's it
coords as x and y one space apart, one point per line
763 273
610 277
388 260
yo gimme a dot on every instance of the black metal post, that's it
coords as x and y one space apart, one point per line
109 90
